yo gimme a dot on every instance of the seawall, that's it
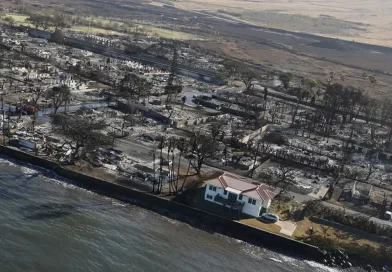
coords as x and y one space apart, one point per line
197 218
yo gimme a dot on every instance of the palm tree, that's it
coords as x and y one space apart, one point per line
181 146
161 146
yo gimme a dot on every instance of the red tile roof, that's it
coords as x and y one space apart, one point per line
244 186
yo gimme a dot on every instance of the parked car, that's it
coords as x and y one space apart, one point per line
165 162
388 215
270 217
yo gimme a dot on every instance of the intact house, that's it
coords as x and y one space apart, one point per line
239 193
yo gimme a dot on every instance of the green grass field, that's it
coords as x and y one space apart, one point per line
95 30
19 19
149 30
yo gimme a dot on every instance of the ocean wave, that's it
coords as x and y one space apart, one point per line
322 268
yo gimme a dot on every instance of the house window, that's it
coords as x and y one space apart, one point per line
240 197
209 197
252 201
225 192
212 188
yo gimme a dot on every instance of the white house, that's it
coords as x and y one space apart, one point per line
239 193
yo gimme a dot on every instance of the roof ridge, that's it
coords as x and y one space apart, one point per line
251 189
223 181
257 190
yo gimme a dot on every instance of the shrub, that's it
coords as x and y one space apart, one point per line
316 208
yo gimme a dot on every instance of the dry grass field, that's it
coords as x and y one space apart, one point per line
366 21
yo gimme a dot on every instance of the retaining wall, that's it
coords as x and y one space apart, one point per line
178 211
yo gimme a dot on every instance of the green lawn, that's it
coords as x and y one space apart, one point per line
95 30
170 34
152 30
19 19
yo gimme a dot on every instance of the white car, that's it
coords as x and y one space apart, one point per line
270 217
388 215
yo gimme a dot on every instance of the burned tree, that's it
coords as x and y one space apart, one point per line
286 78
59 96
260 150
161 50
281 177
239 71
37 94
35 19
385 107
132 86
161 146
181 146
85 133
203 148
57 37
216 129
247 76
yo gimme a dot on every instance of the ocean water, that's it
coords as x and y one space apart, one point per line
46 224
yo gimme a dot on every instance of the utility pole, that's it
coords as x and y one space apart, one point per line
172 75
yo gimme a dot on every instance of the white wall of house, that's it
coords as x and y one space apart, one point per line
210 194
253 208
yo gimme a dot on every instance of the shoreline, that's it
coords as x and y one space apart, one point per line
198 219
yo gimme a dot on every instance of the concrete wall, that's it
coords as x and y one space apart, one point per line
187 214
255 133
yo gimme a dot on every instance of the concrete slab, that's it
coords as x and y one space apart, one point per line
320 193
286 227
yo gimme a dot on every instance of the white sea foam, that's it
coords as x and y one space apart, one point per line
276 260
322 268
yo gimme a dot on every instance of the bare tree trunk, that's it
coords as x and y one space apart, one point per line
160 182
187 173
178 170
154 181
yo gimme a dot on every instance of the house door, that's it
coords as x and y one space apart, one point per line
232 197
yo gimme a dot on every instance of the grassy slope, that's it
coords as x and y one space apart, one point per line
374 13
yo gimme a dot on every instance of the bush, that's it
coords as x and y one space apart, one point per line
316 208
381 255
